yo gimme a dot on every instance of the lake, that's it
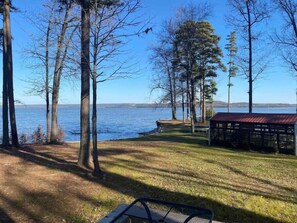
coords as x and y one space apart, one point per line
113 122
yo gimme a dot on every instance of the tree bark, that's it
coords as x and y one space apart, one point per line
193 105
183 101
97 171
57 79
188 97
193 100
229 86
84 155
9 71
55 96
173 109
174 97
5 128
47 93
173 77
47 101
250 75
203 113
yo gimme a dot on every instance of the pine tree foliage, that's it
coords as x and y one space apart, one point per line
200 56
169 78
232 68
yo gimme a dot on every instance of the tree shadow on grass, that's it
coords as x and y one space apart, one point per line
44 206
21 207
186 138
134 188
257 179
4 217
222 212
217 181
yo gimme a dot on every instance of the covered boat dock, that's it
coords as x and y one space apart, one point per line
262 132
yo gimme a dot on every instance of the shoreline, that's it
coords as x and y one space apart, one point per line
152 105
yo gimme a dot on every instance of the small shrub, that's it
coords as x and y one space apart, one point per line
61 134
38 136
210 112
23 139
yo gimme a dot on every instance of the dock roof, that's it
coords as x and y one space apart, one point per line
259 118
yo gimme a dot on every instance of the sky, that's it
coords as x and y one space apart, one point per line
277 84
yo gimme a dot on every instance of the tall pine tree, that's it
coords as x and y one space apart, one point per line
232 50
200 56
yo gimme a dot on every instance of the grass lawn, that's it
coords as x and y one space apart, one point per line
43 184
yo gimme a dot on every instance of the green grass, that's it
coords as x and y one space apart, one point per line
239 186
44 184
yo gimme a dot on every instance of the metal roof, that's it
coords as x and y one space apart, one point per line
261 118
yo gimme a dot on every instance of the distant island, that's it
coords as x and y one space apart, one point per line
220 104
255 105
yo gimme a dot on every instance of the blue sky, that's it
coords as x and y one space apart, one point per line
276 86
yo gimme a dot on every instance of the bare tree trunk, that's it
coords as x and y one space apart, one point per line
200 100
188 98
250 59
47 93
192 106
183 102
97 170
47 100
9 71
193 100
203 114
57 78
84 155
229 86
173 111
173 105
174 85
55 96
174 96
5 128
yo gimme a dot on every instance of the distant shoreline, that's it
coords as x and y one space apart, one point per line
217 104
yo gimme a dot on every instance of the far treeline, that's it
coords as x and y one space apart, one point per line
187 57
84 39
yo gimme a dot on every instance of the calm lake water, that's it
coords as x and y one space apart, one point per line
113 122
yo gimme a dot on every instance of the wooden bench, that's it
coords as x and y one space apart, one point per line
202 130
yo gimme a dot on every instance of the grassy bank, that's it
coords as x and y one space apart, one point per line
43 183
